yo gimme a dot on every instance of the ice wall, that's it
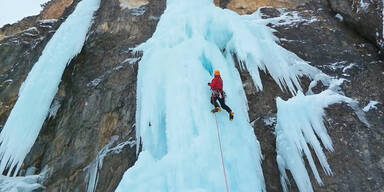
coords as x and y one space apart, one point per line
178 133
38 90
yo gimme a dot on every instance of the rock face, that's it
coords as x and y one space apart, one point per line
55 9
250 6
365 16
93 114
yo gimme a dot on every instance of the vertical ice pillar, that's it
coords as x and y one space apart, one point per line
38 90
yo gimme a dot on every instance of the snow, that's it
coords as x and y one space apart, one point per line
339 17
348 67
54 108
370 105
131 60
286 18
48 21
363 5
15 10
95 82
269 121
17 184
299 123
27 183
39 88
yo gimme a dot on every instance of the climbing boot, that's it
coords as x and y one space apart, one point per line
215 110
231 114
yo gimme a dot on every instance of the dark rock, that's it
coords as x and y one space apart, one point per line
364 16
331 46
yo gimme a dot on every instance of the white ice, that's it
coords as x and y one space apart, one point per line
299 123
95 166
178 134
20 184
371 105
15 10
363 5
39 88
27 183
339 17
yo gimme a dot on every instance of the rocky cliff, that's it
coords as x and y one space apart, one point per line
92 117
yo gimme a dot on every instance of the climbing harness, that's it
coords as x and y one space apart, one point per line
221 153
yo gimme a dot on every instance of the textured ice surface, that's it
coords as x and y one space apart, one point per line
371 105
27 183
178 134
20 184
299 124
39 88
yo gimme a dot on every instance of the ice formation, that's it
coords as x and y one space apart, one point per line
16 184
39 88
178 134
299 123
371 105
94 167
26 183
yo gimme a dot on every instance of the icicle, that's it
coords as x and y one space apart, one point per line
180 151
38 90
299 123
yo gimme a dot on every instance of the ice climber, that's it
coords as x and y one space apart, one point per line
218 94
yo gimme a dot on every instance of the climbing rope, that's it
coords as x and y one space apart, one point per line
221 153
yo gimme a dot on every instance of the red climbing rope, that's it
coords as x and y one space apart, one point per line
221 153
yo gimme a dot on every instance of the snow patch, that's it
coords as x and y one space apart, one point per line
95 82
26 183
54 108
130 60
339 17
370 105
269 121
363 6
47 21
286 18
348 67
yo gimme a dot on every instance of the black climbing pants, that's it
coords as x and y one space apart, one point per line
222 103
